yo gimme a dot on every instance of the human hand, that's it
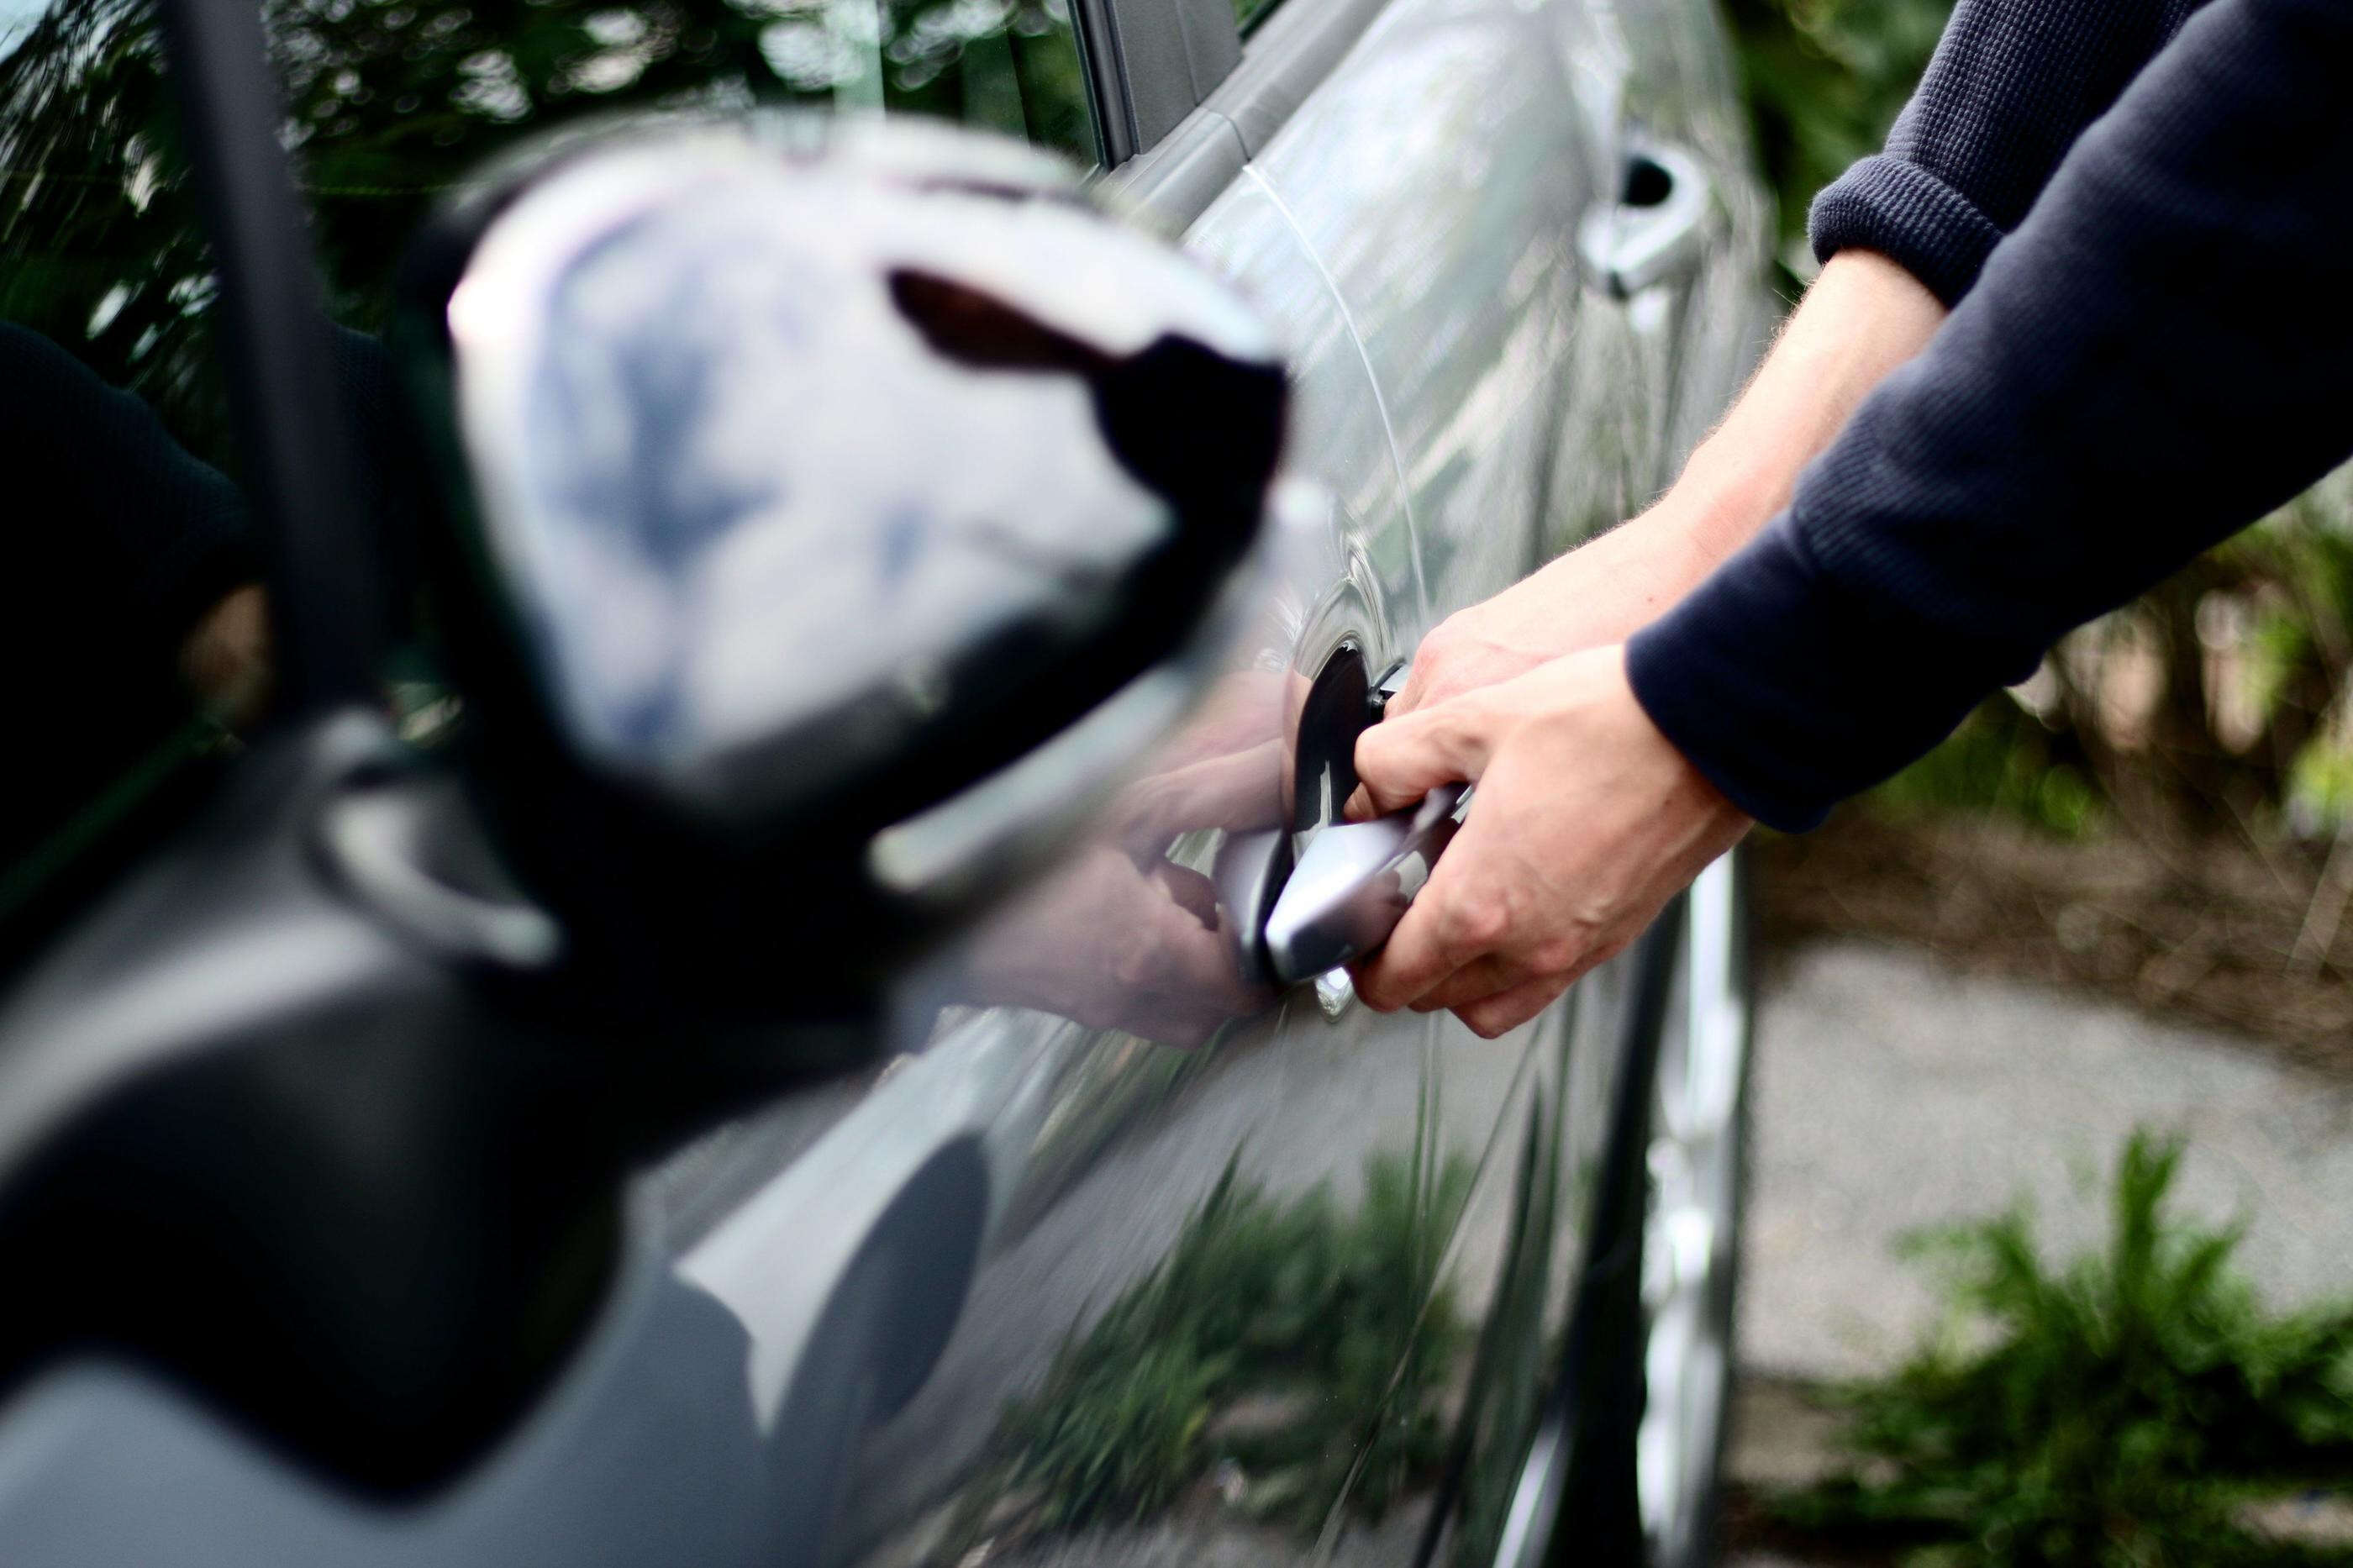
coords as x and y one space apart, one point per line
1224 768
1119 936
1599 593
1587 821
1113 944
226 659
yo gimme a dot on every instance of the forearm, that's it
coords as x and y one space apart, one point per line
1904 236
2162 352
1863 317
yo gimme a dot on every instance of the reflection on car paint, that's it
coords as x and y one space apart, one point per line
1217 1269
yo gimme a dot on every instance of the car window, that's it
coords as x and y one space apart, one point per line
391 101
135 649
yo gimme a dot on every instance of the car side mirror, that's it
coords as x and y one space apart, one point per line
837 503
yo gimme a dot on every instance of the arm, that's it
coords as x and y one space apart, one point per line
1902 236
2163 350
1863 317
2162 353
2012 86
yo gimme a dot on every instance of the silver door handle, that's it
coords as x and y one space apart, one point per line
1353 883
1352 880
1657 229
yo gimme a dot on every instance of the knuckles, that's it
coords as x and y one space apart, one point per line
1475 922
1555 955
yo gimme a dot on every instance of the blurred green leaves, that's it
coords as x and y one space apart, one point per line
1825 79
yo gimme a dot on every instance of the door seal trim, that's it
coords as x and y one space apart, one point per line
1286 58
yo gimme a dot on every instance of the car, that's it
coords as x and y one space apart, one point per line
711 993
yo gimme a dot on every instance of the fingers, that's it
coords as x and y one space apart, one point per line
1400 760
1237 791
1452 922
1479 978
1507 1010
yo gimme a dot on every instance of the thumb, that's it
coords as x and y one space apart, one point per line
1400 760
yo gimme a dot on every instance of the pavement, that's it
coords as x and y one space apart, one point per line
1892 1094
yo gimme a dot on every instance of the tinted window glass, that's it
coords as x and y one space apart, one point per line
135 652
392 99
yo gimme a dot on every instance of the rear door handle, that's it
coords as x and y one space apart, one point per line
1657 231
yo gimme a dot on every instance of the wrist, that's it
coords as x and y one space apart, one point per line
1727 492
1719 504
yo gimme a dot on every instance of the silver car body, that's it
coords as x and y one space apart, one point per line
1494 357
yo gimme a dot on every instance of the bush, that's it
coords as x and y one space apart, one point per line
2125 1405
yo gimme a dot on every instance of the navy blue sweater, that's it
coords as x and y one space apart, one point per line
2144 225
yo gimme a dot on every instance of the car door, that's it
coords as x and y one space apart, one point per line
1500 1136
1115 1259
1226 1298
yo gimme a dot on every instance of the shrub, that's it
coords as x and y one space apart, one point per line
2126 1405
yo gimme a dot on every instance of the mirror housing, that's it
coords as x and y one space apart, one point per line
815 479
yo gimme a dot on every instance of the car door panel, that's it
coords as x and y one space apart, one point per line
1320 1109
1439 176
1700 332
1110 1262
1339 441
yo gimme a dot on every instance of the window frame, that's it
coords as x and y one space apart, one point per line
1176 175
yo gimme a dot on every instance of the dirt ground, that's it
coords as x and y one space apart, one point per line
2212 933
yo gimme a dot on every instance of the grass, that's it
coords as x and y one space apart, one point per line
2123 1409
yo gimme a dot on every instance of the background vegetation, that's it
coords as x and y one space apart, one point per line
2216 704
2121 1411
2165 810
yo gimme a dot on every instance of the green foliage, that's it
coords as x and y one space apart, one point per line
2001 762
96 215
1302 1343
1825 79
2124 1406
389 104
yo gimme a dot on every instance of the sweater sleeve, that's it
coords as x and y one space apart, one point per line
2162 353
140 537
2012 85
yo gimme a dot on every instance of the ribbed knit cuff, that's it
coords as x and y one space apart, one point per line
1791 692
1909 214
